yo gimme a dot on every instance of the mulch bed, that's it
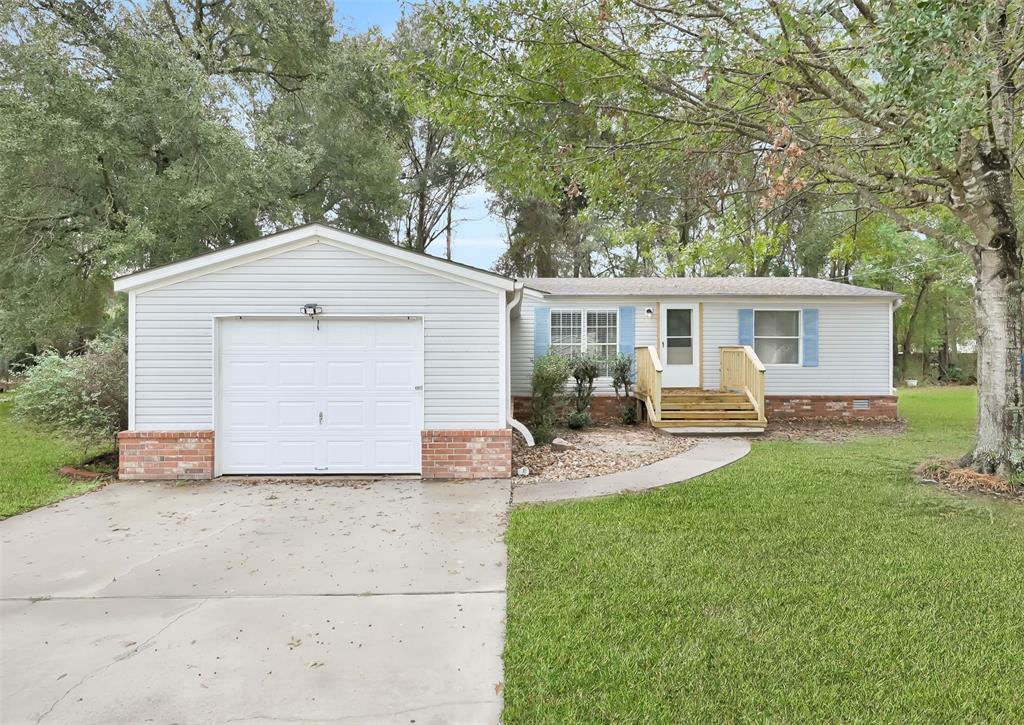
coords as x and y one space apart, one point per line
597 451
830 430
950 475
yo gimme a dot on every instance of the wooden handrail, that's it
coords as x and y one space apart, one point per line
742 370
648 379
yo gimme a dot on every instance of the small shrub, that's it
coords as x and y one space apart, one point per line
578 419
622 382
543 434
550 374
81 396
585 368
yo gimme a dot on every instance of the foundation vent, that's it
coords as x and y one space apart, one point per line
862 405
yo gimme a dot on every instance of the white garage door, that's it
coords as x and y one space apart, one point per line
341 396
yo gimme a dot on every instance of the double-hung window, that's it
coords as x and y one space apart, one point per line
777 336
593 331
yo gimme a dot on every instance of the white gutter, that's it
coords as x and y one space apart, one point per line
517 298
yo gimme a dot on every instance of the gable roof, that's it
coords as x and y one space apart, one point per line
298 237
701 286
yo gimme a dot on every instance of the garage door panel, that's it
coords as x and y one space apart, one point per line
395 374
240 374
293 414
395 455
394 414
252 454
346 414
346 374
347 454
297 453
247 415
293 374
277 376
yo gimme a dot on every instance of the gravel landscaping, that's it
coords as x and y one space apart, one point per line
596 451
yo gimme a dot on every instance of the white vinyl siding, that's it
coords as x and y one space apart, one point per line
853 345
522 331
174 331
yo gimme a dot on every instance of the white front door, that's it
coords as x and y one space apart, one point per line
333 395
680 343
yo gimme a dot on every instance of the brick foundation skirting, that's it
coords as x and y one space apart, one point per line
603 408
787 407
467 453
165 455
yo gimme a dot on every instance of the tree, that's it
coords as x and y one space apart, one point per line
138 135
435 173
903 106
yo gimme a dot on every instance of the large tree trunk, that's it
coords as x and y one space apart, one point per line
997 306
984 200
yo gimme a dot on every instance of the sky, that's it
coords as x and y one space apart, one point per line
479 237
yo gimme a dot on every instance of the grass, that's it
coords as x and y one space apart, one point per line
28 467
808 582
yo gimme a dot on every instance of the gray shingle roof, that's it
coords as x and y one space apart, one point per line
701 287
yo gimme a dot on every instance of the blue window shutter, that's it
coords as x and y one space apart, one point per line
627 330
627 334
746 326
810 340
541 331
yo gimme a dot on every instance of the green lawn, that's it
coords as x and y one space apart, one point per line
808 582
28 467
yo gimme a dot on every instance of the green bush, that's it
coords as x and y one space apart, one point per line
622 381
578 419
550 374
81 396
585 368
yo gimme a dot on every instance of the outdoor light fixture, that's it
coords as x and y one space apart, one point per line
312 309
649 312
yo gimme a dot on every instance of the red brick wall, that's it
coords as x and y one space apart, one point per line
828 406
603 408
162 455
467 453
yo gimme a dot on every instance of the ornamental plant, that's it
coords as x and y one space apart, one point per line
83 396
550 374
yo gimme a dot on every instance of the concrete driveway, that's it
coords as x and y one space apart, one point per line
230 602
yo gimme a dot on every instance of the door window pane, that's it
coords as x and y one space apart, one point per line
680 351
678 323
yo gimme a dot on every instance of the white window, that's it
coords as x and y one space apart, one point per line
594 331
777 336
566 331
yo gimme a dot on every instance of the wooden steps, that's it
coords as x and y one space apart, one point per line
707 409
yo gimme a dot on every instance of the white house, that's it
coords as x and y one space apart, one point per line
314 351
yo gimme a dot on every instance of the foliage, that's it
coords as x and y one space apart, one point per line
622 382
622 375
578 419
28 467
550 374
135 135
83 397
584 369
708 601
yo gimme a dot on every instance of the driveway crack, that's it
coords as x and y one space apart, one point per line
145 644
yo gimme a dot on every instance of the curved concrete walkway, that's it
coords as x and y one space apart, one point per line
707 455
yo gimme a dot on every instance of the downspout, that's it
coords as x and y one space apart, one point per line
517 298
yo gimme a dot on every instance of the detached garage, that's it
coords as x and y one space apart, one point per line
317 352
